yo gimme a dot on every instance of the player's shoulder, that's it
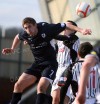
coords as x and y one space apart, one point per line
23 33
88 56
45 24
92 58
75 37
40 24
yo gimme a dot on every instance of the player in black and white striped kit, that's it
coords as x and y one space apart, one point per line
66 49
87 75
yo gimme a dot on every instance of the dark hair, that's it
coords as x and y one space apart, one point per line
84 49
28 20
73 23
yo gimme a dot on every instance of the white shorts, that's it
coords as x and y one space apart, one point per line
69 92
58 77
55 85
59 72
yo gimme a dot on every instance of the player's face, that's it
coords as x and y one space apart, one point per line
30 29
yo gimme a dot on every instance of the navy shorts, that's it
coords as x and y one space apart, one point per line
44 69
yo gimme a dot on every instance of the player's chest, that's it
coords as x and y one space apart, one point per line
62 47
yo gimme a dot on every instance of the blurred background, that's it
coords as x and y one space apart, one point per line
12 13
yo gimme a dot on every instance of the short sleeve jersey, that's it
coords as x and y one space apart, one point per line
40 44
63 57
93 85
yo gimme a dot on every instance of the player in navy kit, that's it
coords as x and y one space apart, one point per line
38 36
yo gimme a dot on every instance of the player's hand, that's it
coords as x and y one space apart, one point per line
7 51
86 31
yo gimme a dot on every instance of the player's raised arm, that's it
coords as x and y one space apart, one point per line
83 31
88 63
14 44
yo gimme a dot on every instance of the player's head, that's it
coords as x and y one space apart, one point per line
68 31
73 23
29 25
84 49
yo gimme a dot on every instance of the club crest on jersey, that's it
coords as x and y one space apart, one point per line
43 35
29 38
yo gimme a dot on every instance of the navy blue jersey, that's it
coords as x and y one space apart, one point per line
40 44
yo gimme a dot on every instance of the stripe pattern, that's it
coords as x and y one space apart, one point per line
63 56
93 86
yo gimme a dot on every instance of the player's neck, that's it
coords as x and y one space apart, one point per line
81 58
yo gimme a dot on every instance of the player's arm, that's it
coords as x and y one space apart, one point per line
61 37
84 74
14 45
15 42
55 29
78 29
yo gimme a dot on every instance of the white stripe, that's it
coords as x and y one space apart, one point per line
63 56
76 45
53 42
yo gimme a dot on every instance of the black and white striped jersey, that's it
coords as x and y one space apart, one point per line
93 86
63 56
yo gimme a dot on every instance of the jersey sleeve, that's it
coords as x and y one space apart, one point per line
61 37
76 45
74 50
21 36
55 29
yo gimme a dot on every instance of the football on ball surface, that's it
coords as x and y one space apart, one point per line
83 9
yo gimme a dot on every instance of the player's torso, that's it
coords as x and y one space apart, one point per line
93 86
63 56
41 46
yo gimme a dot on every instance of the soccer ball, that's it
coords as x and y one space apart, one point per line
83 9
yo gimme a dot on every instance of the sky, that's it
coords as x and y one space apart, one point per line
12 12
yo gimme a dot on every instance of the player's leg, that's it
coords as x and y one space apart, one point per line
24 81
64 88
68 95
55 96
74 86
66 100
55 91
46 79
41 90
